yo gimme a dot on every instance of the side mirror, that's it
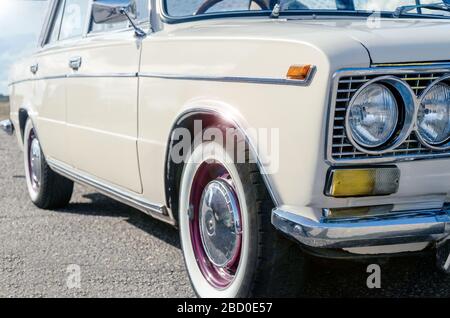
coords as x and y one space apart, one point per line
112 11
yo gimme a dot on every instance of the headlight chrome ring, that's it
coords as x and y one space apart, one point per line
445 145
407 104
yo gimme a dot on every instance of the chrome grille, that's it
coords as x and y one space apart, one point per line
341 150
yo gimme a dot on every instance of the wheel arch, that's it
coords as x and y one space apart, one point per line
25 114
210 117
23 117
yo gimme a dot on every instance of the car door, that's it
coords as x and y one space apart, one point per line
49 68
102 97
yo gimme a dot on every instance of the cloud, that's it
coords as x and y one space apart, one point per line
22 17
20 25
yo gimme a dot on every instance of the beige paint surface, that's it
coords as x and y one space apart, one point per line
121 139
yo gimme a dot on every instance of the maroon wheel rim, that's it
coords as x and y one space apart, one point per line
219 276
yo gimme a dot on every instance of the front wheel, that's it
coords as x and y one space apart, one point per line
229 245
47 189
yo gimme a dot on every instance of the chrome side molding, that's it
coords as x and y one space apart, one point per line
233 79
399 228
181 77
156 211
7 126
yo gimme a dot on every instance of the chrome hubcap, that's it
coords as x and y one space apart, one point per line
215 224
219 219
35 163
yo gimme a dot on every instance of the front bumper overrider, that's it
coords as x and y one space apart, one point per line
397 228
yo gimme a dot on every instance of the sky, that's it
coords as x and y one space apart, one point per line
20 25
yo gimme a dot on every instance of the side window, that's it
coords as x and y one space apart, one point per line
56 23
142 14
74 16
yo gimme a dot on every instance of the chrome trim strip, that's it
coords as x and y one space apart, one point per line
375 70
401 228
75 75
432 64
229 79
233 79
42 78
49 16
157 211
101 75
446 144
7 126
389 70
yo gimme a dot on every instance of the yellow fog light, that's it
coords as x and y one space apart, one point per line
362 182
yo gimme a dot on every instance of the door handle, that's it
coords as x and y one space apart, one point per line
75 63
34 68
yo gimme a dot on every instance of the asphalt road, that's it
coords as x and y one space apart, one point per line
123 253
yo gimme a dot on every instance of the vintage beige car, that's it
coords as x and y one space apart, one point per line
255 127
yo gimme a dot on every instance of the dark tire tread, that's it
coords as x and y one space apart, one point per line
56 190
280 265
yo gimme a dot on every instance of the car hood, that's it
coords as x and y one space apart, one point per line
394 40
386 40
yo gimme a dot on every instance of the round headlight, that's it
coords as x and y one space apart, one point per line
373 116
433 120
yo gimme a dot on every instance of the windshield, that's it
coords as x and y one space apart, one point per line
189 8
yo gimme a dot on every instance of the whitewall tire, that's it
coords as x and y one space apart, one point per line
230 248
47 189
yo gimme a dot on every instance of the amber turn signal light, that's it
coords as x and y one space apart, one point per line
358 212
299 72
359 182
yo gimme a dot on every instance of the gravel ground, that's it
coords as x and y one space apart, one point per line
123 253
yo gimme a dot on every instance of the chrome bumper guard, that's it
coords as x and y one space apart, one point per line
7 126
398 228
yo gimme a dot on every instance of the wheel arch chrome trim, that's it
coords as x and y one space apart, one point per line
238 125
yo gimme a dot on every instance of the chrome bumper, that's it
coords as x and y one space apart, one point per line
7 126
400 228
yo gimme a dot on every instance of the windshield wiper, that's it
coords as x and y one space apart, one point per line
276 10
432 6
